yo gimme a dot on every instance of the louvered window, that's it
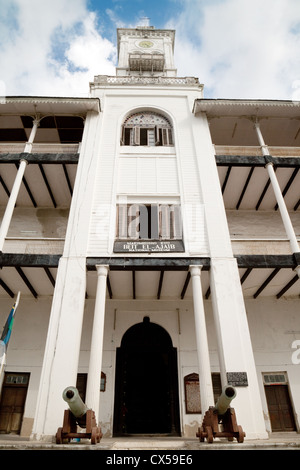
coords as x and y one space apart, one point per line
147 129
275 378
149 222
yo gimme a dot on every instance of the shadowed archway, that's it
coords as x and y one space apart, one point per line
146 386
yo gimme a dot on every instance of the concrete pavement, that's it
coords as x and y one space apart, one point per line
277 441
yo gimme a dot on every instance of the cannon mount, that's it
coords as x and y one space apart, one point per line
220 420
77 415
210 428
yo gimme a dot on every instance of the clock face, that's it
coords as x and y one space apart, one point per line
146 44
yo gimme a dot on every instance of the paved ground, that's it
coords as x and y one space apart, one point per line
277 441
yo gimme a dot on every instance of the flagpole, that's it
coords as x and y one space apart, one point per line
18 300
3 345
2 365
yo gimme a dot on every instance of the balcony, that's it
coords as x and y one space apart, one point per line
146 62
53 148
244 180
47 246
256 151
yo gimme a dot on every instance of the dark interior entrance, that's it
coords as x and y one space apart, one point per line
146 387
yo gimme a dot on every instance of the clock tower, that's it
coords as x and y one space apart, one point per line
146 51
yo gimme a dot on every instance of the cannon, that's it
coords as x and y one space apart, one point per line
80 415
220 420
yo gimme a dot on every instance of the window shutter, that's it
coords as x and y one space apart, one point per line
157 136
136 135
155 221
122 140
164 219
143 222
170 137
122 221
133 221
167 137
164 137
176 222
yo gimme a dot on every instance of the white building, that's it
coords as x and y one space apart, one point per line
141 226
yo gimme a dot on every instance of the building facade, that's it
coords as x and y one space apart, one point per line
153 235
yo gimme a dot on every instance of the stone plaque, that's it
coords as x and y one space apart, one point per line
237 379
173 246
192 396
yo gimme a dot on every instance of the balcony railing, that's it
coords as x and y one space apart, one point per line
18 147
104 80
147 62
56 245
260 246
256 151
49 246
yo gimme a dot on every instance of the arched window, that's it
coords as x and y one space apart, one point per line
147 128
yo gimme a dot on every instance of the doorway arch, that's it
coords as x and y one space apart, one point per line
146 385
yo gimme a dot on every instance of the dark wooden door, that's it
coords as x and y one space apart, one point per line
146 388
12 405
280 408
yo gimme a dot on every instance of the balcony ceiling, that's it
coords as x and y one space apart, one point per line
245 184
44 185
249 188
261 277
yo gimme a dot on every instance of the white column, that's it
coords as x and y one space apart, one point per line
28 145
62 349
94 372
234 343
205 382
16 188
279 198
11 203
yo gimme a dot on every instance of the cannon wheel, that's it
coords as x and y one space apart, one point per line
58 436
200 433
241 434
95 435
209 433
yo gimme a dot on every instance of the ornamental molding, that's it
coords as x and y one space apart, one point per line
210 104
37 99
105 80
145 33
250 109
44 106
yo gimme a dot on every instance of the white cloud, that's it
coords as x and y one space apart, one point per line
241 48
237 48
51 47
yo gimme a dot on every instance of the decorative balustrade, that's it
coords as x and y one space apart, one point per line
102 80
18 147
256 151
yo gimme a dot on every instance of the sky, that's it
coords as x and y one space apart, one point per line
239 49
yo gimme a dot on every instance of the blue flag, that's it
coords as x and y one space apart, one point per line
6 334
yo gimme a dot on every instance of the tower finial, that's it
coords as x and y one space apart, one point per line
145 22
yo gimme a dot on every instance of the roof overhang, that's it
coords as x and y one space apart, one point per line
32 105
240 108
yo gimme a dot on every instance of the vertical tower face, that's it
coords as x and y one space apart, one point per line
146 51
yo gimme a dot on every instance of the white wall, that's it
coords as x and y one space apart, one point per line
145 172
274 324
26 346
